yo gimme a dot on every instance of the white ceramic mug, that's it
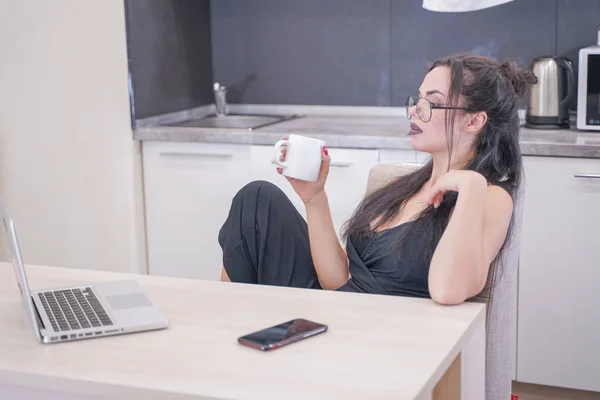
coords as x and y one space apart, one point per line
302 159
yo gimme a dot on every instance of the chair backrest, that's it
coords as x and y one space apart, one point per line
502 312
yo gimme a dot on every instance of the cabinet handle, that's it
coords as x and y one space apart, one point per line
189 154
343 164
596 176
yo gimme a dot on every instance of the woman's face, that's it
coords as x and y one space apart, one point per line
430 136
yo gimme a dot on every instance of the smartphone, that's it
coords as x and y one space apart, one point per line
282 334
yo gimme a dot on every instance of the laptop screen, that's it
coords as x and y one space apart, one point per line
17 261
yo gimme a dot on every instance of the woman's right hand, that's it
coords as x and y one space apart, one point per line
308 190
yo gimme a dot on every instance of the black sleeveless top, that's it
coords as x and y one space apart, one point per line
375 268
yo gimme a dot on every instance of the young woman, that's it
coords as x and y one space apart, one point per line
433 233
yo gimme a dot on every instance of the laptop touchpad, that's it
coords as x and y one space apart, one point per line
129 300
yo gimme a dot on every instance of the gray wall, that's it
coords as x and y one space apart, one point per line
169 49
375 52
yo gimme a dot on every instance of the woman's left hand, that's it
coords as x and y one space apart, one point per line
457 181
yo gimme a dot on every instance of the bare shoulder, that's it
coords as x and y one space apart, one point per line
498 201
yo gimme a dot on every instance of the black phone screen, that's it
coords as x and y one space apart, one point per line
287 331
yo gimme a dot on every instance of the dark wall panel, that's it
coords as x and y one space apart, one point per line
331 52
303 52
521 30
577 26
169 49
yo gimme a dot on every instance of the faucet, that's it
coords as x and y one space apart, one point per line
220 92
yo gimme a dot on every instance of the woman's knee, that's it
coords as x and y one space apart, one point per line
260 188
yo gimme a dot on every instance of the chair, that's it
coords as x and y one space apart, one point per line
502 314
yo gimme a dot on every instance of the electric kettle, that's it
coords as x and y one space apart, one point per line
549 99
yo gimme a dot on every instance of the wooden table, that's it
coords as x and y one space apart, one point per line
377 347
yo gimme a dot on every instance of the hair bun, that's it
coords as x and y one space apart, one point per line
521 79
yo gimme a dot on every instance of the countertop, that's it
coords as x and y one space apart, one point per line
351 127
380 347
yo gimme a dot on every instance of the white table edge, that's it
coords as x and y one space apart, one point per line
96 390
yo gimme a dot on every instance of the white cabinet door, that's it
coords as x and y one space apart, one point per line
347 181
559 275
188 189
422 157
345 185
400 156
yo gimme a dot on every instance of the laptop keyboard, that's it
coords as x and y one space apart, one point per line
74 309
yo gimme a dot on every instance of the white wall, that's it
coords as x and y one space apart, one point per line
69 169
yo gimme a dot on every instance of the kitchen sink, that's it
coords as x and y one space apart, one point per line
236 121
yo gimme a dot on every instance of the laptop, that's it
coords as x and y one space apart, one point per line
82 312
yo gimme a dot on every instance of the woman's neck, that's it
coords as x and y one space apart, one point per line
440 165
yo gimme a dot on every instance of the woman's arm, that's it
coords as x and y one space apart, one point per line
329 258
474 235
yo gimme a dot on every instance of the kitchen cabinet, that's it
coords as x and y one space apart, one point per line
347 181
345 186
558 318
188 189
396 156
422 157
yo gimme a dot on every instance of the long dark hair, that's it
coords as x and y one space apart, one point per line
482 84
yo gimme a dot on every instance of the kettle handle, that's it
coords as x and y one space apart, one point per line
570 95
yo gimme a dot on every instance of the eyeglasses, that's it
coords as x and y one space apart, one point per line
424 108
